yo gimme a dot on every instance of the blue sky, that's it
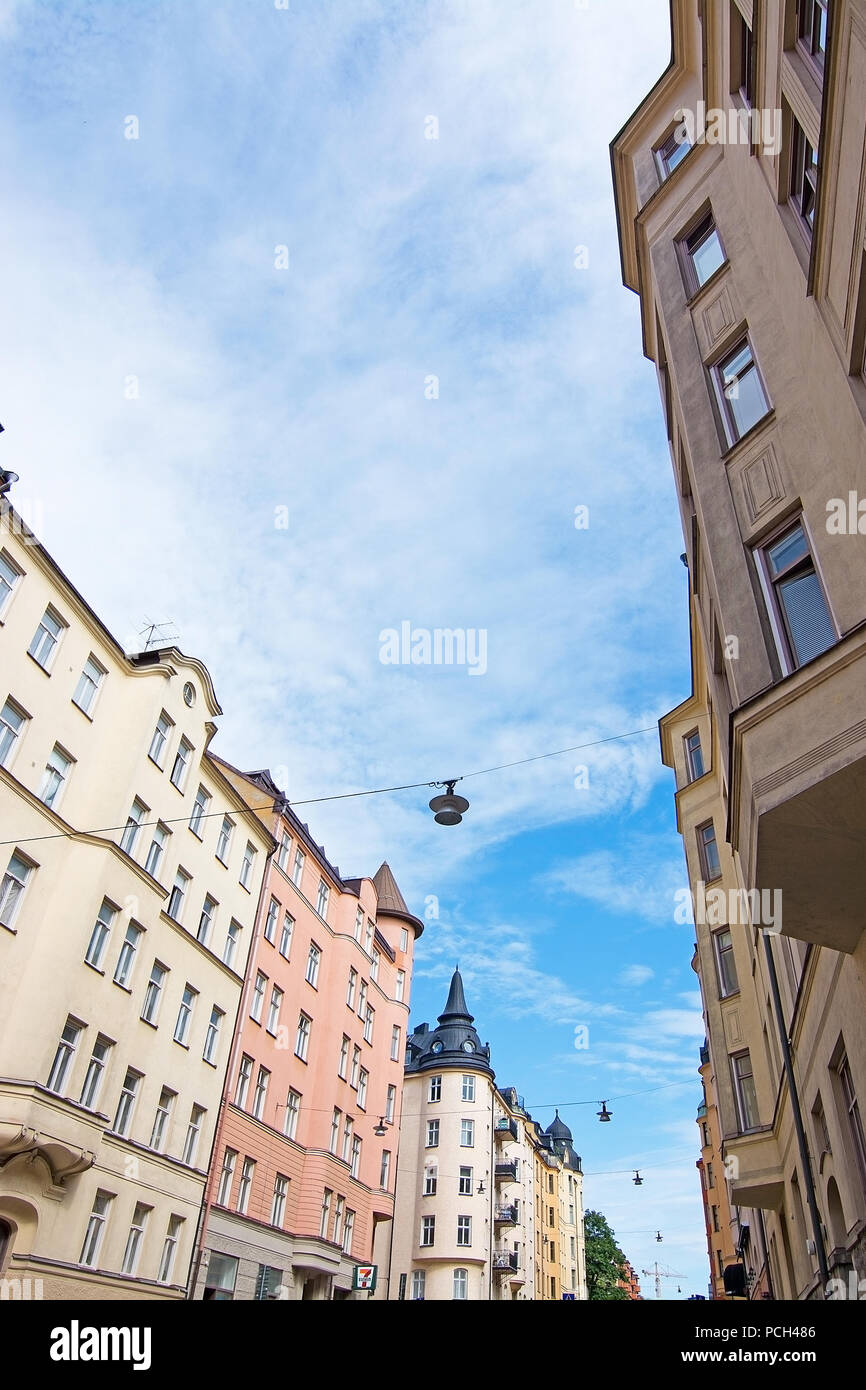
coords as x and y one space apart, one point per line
169 387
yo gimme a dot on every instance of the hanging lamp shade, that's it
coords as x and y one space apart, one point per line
448 808
637 1179
604 1114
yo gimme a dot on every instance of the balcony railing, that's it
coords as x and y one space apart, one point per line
506 1129
506 1215
506 1262
506 1172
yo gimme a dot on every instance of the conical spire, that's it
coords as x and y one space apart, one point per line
455 1007
389 895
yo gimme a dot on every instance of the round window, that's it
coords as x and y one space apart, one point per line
189 694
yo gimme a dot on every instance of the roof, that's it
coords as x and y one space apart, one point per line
558 1129
454 1043
390 900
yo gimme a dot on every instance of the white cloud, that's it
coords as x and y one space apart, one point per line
635 975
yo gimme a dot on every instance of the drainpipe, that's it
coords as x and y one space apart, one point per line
805 1162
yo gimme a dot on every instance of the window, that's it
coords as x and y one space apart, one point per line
283 851
335 1130
169 1249
232 938
286 935
9 576
744 1086
435 1091
356 1065
95 1228
12 721
181 764
274 1009
390 1102
348 1231
126 1103
278 1204
322 899
88 685
162 1116
812 28
158 743
400 985
432 1134
702 254
222 1272
126 958
248 1168
271 921
153 992
352 986
395 1043
855 1124
338 1219
224 840
245 1071
742 57
46 637
385 1169
725 965
739 391
261 1092
12 888
711 1181
355 1165
428 1230
374 964
205 921
313 960
302 1040
247 865
404 939
431 1180
461 1276
465 1182
193 1134
213 1033
177 896
293 1109
467 1134
325 1218
344 1057
694 756
801 617
54 777
468 1093
672 152
715 1213
298 867
419 1279
100 934
95 1072
199 811
708 852
368 1024
363 1079
258 997
157 849
362 999
224 1191
803 191
464 1230
348 1131
368 937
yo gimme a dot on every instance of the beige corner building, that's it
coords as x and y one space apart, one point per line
129 882
741 198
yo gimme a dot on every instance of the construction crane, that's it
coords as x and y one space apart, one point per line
659 1273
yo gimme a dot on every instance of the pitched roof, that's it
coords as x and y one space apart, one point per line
389 895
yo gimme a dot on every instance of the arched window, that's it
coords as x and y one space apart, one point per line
6 1234
461 1283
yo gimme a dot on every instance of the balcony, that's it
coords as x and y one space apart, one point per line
506 1172
505 1263
798 796
506 1216
505 1130
755 1168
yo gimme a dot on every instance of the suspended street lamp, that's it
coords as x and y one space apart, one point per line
659 1236
604 1114
449 808
380 1129
637 1179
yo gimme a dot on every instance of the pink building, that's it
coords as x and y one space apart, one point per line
301 1185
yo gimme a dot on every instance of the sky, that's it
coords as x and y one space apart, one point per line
314 328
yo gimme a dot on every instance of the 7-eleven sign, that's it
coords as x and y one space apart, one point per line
365 1277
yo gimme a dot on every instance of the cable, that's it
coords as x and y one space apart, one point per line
564 1104
339 796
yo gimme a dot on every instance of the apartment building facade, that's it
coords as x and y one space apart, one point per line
301 1189
129 881
740 185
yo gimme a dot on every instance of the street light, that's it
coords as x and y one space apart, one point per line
449 808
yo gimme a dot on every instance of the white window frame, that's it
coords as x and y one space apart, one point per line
88 684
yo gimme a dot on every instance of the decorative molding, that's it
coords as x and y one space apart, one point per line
824 751
762 486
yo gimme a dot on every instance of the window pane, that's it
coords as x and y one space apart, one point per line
787 551
808 620
707 256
